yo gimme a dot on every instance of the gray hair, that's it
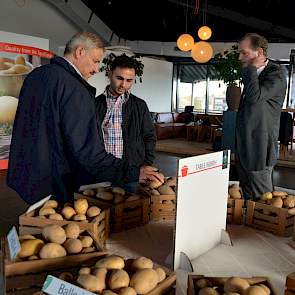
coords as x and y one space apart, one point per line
86 39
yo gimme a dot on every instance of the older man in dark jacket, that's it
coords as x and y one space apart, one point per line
125 119
56 145
258 116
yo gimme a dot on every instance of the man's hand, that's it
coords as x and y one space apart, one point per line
150 173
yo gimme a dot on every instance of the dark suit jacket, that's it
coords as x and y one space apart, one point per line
258 116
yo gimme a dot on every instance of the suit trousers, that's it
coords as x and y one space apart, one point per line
254 183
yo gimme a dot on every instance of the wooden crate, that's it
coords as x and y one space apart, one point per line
160 210
235 211
280 222
219 281
125 215
290 284
98 228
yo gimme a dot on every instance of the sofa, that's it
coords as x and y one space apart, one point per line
169 125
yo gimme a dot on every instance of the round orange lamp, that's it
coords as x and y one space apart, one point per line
202 52
204 33
185 42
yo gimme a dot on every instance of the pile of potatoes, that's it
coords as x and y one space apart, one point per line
56 241
157 188
278 199
114 275
113 195
234 191
231 286
79 212
17 66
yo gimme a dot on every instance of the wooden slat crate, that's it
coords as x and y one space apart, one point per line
279 222
290 284
219 281
163 207
125 215
98 228
235 211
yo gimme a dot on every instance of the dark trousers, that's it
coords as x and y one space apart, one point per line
254 183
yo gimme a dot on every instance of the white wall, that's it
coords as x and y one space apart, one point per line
156 86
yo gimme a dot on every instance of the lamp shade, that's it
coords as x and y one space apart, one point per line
204 33
185 42
202 52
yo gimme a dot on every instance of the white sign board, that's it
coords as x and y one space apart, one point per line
13 243
201 204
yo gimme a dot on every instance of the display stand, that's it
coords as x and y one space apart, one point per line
201 211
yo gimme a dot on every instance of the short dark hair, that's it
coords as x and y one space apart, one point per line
257 41
87 39
123 61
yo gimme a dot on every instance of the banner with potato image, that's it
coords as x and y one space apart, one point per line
16 62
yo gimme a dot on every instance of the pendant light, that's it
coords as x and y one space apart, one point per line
202 52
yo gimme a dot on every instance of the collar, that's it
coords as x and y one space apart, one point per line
76 69
109 95
259 70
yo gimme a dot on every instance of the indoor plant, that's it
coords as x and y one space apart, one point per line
106 64
228 69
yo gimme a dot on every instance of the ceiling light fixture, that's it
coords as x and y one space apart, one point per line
202 52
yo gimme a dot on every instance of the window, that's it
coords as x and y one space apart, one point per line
199 96
216 96
184 95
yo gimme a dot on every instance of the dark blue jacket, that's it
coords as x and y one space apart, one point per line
56 145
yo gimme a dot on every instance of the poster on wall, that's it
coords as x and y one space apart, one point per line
16 62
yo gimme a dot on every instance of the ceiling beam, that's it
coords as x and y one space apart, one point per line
243 19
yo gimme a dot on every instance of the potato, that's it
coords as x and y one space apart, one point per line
108 292
68 212
81 206
88 250
46 211
72 230
20 60
266 289
161 274
118 190
30 247
20 69
235 284
54 233
202 283
89 192
208 291
127 291
73 246
51 204
291 211
80 217
93 211
141 263
171 181
52 250
100 274
255 290
26 237
86 241
118 199
66 276
85 271
119 278
279 194
144 280
107 196
234 193
289 202
154 192
111 262
277 202
154 184
55 216
166 190
132 198
90 283
266 196
33 257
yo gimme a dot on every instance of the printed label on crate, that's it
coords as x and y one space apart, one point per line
38 204
55 286
13 243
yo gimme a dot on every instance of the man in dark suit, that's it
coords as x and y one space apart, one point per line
258 116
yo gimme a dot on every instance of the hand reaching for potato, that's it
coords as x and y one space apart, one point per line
148 173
